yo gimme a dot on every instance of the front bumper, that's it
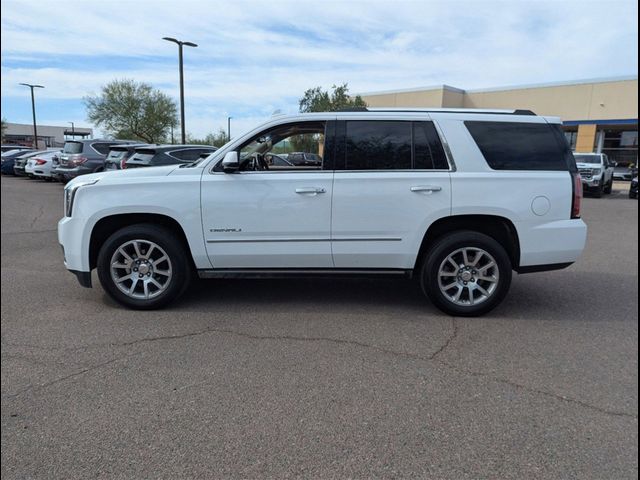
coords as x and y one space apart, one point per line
75 248
591 183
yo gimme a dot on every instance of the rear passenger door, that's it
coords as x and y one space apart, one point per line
391 182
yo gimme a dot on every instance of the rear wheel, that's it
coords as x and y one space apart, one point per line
143 267
466 274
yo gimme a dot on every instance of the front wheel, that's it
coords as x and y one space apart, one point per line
466 274
143 266
609 188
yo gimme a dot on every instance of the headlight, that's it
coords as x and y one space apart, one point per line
70 194
596 171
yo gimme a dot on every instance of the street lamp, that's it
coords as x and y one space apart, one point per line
73 129
229 129
180 45
33 110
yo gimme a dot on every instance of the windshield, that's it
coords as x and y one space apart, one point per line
595 159
72 147
8 153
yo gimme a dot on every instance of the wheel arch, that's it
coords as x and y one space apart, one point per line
499 228
108 225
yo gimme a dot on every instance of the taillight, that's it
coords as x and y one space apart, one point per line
77 161
39 161
576 204
123 163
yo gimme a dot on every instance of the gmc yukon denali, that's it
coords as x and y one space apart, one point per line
457 199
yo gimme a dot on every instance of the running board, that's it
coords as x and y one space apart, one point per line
302 272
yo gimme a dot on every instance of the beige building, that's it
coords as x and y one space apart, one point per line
599 115
48 135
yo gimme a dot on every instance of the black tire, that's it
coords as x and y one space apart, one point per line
164 238
609 188
598 192
447 245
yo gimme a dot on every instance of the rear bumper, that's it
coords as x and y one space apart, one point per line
554 243
70 173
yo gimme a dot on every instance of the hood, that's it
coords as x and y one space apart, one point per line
115 175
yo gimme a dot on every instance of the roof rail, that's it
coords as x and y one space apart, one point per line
445 110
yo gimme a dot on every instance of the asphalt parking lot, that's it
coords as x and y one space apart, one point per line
318 379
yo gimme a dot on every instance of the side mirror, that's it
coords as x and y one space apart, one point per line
230 162
615 164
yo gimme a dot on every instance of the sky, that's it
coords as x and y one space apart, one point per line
256 57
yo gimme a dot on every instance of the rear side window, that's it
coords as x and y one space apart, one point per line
428 152
520 146
101 148
377 145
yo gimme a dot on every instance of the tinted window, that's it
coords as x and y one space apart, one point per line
376 145
520 146
101 148
116 154
72 147
428 152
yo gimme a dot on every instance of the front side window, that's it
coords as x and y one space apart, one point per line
296 146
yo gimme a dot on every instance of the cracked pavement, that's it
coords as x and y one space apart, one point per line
322 378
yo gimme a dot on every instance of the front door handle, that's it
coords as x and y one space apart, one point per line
426 188
310 190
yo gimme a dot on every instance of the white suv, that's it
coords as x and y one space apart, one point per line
454 198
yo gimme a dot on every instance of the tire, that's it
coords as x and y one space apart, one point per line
599 191
471 300
157 282
609 188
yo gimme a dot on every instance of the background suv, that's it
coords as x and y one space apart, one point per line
156 155
119 154
80 157
596 172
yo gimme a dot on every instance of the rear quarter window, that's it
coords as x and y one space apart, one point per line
101 148
521 146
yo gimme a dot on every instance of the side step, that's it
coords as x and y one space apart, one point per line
302 272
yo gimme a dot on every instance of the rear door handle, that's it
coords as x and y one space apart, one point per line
426 188
310 190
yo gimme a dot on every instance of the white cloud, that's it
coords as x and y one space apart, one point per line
255 57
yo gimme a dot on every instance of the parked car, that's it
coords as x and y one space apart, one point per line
8 160
596 172
623 172
21 161
304 159
501 193
40 165
119 154
633 188
157 155
6 148
80 157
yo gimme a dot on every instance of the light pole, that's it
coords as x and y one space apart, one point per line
229 129
73 130
33 110
180 45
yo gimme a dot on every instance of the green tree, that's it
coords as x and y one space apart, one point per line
318 100
3 127
217 139
133 110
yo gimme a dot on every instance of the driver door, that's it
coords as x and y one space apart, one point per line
269 217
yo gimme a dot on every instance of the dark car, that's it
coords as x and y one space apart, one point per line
633 189
119 154
80 157
156 155
304 159
8 160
